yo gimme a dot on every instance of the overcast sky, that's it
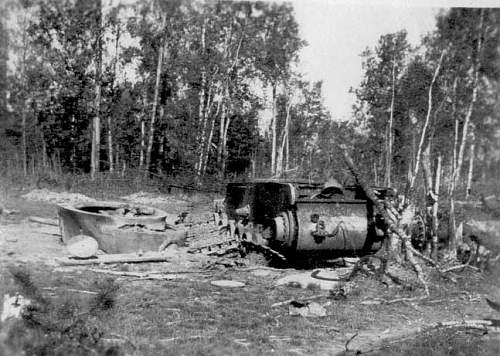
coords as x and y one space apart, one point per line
337 33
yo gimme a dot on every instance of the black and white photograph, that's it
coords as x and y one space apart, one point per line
242 177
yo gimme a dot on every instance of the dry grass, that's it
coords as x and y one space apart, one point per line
444 343
193 317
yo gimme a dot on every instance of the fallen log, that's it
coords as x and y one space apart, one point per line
43 221
392 225
155 274
115 258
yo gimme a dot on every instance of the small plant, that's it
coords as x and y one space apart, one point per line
105 298
60 327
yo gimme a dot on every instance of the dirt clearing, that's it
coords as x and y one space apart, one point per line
174 308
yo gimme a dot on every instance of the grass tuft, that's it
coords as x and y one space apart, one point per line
106 295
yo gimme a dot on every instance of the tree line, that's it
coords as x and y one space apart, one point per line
162 86
212 89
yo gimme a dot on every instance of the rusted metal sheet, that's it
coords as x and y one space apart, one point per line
116 226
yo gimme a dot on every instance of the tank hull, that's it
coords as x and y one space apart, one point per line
115 233
295 218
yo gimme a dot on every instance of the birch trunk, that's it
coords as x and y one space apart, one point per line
432 194
206 152
471 167
281 152
201 98
451 188
453 238
203 132
143 129
155 98
388 163
423 134
96 122
435 206
220 147
287 151
24 153
273 132
143 143
224 145
110 131
110 145
23 141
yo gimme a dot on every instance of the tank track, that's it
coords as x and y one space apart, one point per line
210 239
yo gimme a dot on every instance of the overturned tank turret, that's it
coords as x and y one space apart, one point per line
302 218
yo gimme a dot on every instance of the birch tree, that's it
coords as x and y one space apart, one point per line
96 121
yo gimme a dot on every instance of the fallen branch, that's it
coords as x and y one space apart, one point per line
467 324
115 258
256 268
392 226
348 341
392 301
72 290
454 268
140 274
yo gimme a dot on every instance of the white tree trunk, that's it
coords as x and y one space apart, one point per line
388 163
96 122
201 99
155 99
453 238
423 134
206 152
224 145
471 167
281 152
24 154
143 142
435 206
273 132
110 123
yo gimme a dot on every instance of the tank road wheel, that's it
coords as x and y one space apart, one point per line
284 230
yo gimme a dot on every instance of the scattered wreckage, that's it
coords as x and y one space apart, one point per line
282 218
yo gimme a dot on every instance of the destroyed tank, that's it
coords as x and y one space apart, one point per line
302 218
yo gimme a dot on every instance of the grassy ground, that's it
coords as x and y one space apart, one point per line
190 316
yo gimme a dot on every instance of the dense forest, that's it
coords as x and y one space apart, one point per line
211 90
